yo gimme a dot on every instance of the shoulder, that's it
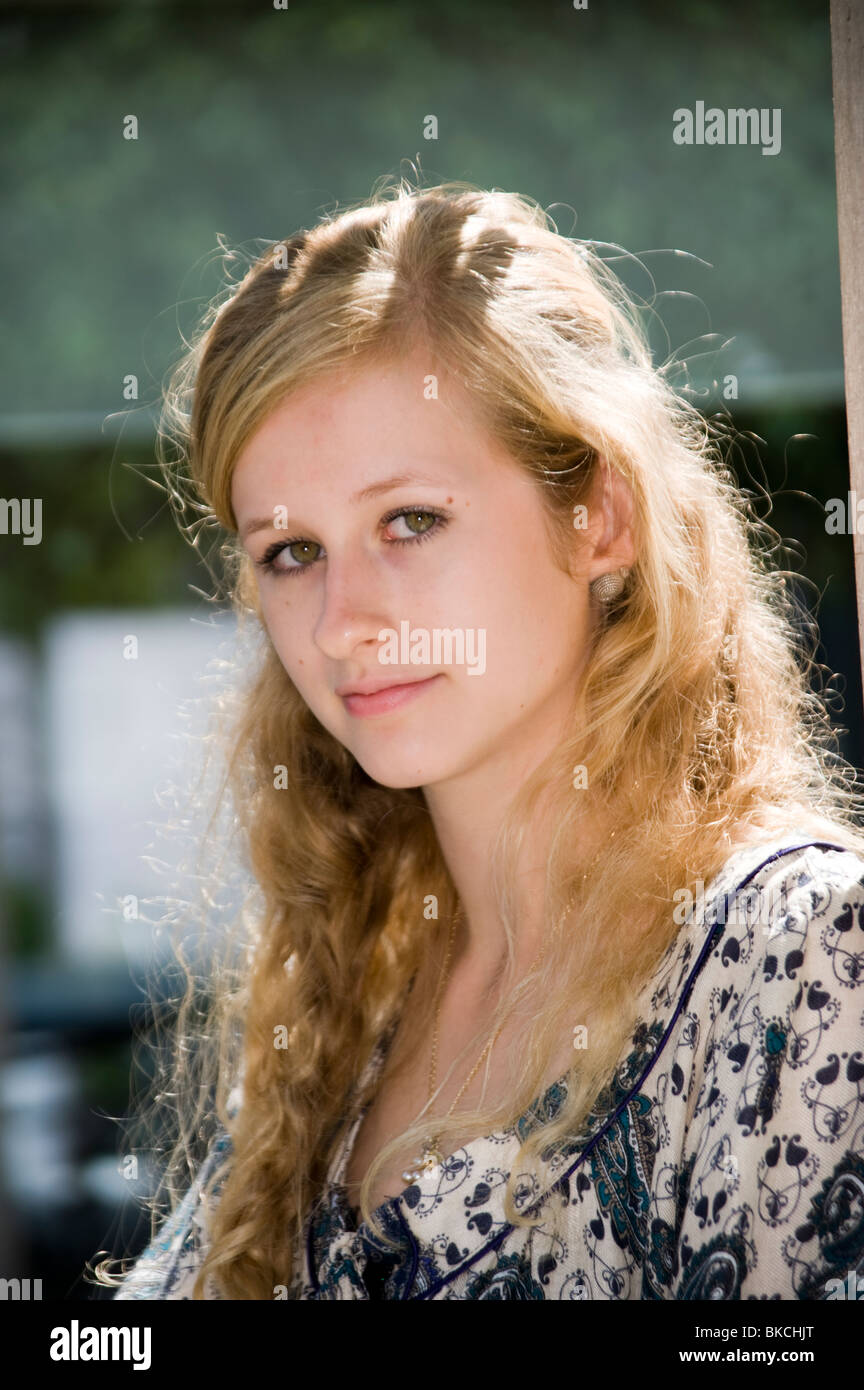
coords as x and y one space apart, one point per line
168 1267
783 907
775 1147
787 966
793 858
777 914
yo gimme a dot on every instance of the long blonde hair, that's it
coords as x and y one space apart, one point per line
699 726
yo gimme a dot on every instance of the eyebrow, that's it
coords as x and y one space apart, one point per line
265 523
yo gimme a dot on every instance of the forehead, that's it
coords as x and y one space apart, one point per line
346 429
380 399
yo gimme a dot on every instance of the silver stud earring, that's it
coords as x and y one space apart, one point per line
607 587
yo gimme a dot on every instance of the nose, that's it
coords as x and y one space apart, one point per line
353 607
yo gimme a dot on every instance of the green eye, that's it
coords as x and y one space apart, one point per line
428 521
422 524
299 551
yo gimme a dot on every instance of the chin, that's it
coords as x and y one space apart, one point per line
419 763
398 775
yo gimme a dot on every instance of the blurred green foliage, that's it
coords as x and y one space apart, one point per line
253 120
109 538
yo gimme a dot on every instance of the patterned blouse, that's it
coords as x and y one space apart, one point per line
729 1164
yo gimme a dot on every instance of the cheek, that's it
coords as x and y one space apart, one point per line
531 607
283 621
541 643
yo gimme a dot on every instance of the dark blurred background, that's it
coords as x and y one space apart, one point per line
252 120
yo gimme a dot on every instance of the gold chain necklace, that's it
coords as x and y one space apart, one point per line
430 1155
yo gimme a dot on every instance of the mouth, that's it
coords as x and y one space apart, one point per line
384 698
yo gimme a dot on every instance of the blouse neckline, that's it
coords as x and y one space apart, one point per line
666 993
546 1105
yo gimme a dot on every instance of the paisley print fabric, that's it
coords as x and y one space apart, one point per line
724 1160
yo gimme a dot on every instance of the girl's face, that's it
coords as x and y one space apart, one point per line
405 577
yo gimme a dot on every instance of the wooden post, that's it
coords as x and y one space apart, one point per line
847 64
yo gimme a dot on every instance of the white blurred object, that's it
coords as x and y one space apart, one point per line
23 804
37 1094
117 726
103 1179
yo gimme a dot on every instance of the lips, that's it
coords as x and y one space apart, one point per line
371 687
373 697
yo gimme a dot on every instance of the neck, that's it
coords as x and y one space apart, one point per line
466 830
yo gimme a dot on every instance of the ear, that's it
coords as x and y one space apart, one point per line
608 539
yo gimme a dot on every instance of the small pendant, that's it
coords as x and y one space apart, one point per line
430 1158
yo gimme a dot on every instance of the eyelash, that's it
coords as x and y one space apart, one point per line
268 559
